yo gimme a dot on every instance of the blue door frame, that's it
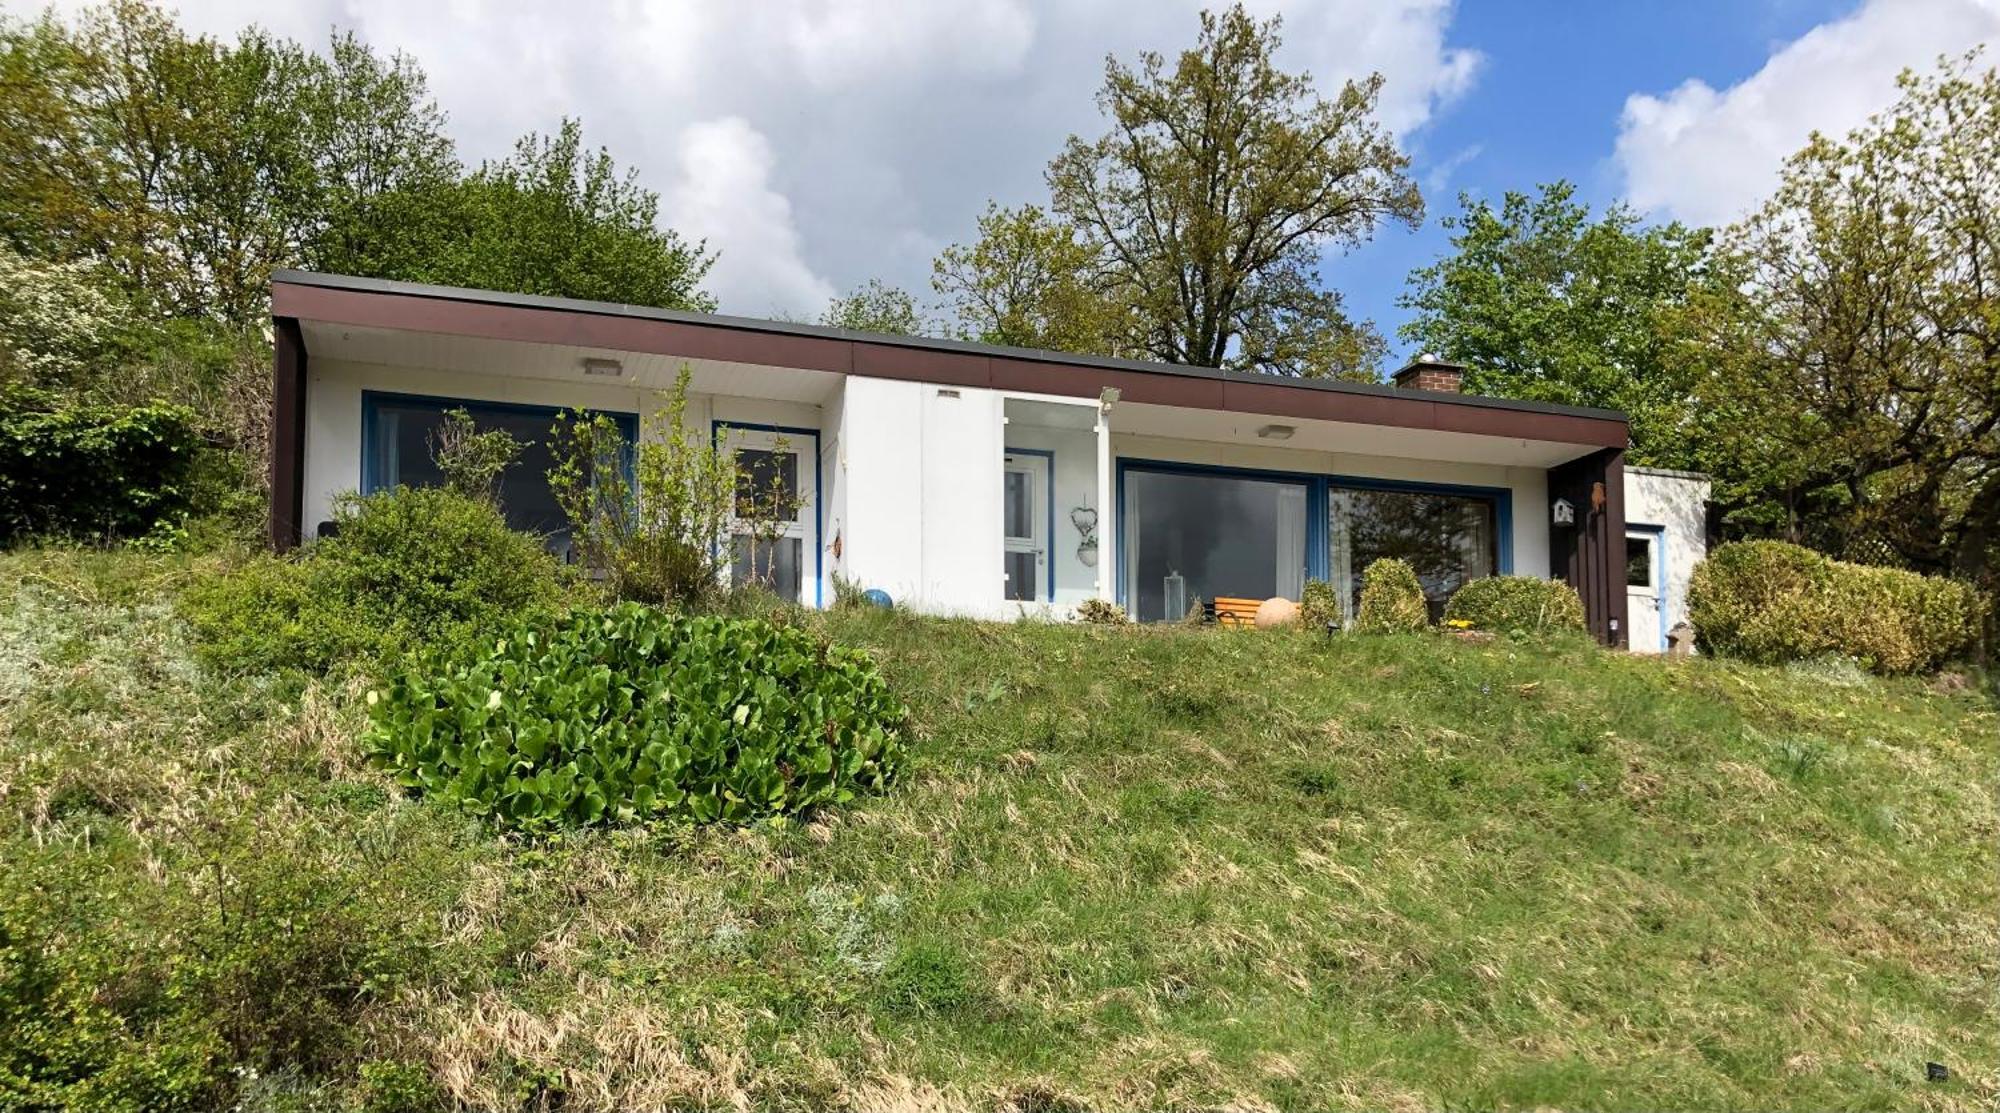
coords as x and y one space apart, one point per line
1661 590
1318 489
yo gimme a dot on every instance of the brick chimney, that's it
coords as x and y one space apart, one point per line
1428 372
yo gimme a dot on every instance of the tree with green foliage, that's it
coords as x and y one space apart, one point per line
1542 302
876 306
553 218
1849 348
1222 181
1031 281
192 167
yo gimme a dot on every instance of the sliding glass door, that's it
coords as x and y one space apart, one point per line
1196 535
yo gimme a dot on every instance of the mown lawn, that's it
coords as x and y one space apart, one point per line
1129 869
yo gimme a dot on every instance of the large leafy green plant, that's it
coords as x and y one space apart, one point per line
629 714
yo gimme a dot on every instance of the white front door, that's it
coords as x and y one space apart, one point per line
1024 518
1645 591
776 467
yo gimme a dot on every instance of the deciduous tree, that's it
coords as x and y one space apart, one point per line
1541 301
1222 181
1033 282
1850 348
876 306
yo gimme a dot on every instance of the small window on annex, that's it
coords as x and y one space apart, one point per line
1448 539
397 431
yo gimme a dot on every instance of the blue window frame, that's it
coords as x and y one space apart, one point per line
1473 521
1447 533
396 432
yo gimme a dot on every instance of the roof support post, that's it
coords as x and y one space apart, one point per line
1588 550
288 433
1107 511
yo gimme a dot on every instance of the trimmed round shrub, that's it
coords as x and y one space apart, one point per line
1392 601
1770 602
1319 606
631 714
1516 604
407 567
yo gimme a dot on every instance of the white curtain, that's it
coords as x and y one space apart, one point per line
1291 541
1340 569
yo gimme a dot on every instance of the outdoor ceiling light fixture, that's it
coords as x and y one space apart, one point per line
1277 432
595 366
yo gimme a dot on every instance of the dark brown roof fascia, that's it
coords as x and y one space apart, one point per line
376 303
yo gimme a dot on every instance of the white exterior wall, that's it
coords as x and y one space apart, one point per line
1676 502
919 470
909 477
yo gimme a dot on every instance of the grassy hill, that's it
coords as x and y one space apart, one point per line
1130 869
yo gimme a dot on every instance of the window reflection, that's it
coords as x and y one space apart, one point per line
1448 539
1196 537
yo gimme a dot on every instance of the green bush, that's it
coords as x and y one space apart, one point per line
1770 602
407 567
1392 601
93 472
628 713
1319 606
142 977
1516 604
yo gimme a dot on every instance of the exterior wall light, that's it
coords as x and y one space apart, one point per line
608 367
1277 432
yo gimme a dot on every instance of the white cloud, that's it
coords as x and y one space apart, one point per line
723 194
818 143
1708 156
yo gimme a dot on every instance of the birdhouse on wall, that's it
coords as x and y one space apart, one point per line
1562 512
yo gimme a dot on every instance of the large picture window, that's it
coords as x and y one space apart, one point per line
1448 538
1198 536
397 431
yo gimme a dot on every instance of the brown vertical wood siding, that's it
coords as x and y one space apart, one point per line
1591 554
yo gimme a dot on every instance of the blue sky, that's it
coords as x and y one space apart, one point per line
1547 105
820 143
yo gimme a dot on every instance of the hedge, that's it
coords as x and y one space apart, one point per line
92 472
1770 602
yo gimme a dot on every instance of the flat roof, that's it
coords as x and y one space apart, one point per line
385 303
